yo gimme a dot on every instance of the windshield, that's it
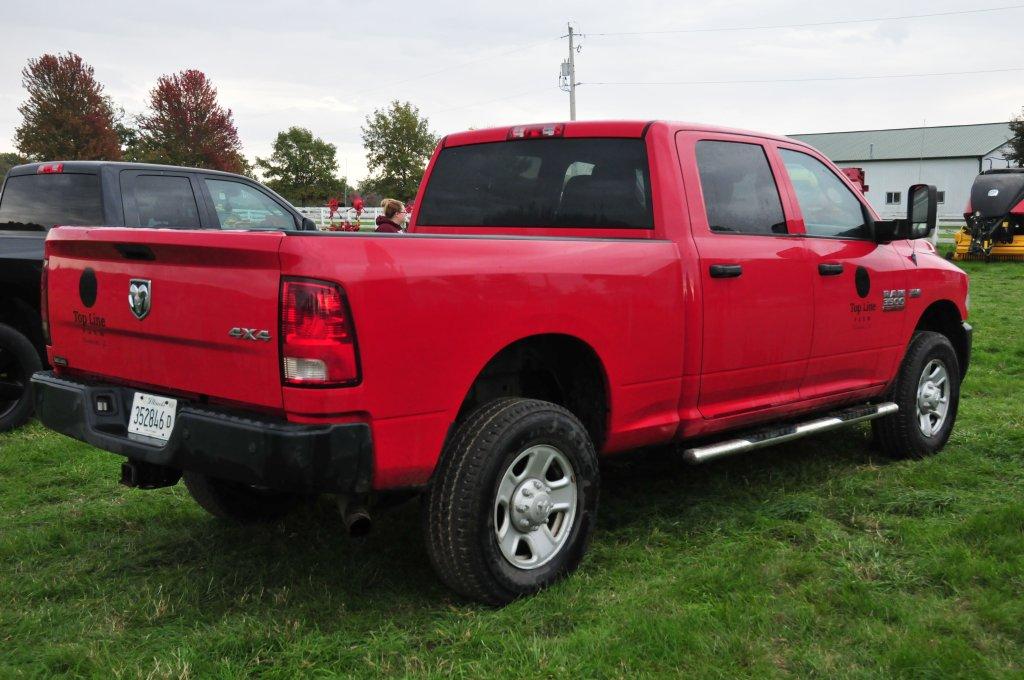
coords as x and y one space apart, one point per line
39 202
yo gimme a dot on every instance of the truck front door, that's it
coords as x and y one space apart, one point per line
859 285
756 289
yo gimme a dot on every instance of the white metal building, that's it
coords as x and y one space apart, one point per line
950 157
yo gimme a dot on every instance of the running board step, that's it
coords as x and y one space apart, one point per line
777 435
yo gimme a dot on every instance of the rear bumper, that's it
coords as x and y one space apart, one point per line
334 458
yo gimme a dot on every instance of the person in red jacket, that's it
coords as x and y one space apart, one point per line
394 217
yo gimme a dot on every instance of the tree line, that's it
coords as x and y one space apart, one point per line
68 116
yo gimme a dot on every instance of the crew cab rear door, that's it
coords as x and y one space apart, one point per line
177 312
164 199
859 285
755 286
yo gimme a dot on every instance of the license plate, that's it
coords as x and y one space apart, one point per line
152 416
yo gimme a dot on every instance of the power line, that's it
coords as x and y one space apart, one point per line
430 74
804 80
836 22
492 101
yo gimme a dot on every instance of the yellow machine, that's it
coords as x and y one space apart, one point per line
995 218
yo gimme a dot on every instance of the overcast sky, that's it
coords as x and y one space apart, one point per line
326 65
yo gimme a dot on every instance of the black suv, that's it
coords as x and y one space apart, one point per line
38 196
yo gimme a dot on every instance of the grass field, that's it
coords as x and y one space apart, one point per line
815 558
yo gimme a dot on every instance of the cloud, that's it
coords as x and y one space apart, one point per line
327 65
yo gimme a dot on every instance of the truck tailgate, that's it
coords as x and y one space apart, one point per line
200 286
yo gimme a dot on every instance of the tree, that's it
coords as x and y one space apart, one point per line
66 115
398 145
302 168
1017 141
8 161
185 125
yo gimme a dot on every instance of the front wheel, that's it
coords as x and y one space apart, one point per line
927 391
513 500
18 361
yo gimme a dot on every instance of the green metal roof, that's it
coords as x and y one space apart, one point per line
948 141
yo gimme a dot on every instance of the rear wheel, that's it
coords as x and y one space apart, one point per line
927 391
513 500
18 361
239 502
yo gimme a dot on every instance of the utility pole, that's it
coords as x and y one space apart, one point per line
572 77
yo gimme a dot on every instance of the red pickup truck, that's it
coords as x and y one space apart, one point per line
566 290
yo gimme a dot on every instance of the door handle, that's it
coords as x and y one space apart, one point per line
830 269
725 271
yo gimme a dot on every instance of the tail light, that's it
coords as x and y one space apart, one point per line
1018 209
50 169
44 300
318 343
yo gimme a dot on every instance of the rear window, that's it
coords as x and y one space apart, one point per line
598 183
38 202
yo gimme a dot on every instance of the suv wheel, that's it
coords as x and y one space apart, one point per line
513 500
18 361
927 391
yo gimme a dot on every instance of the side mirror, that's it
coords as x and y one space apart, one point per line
308 224
922 210
922 213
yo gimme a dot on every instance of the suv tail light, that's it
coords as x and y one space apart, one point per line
318 343
44 300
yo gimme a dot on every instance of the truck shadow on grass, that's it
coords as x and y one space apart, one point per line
307 568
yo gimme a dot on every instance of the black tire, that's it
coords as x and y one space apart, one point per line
901 435
239 502
18 361
459 510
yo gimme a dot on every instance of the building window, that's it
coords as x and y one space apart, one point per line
893 197
941 196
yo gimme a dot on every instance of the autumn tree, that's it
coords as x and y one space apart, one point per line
398 145
8 161
185 125
66 115
1017 140
302 168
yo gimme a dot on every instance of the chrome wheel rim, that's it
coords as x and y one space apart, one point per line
933 398
535 506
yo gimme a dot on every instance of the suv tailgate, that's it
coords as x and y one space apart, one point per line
201 285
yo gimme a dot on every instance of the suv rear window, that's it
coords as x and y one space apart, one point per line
38 202
597 183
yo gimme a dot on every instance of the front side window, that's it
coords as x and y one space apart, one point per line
585 182
240 206
740 195
39 202
828 206
165 201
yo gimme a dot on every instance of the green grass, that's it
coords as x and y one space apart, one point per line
815 558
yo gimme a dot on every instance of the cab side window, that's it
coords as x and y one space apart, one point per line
166 201
240 206
740 195
828 206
